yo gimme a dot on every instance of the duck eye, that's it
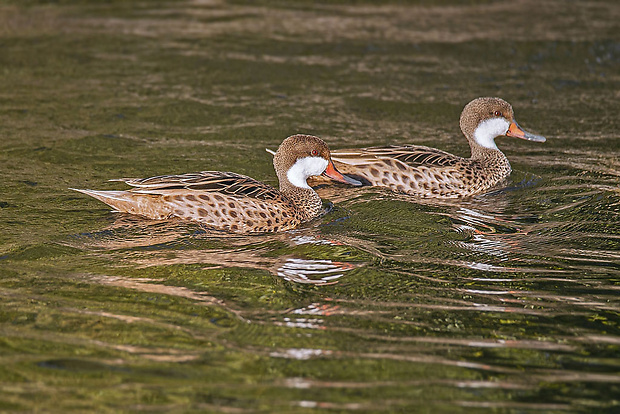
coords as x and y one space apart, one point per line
314 153
497 113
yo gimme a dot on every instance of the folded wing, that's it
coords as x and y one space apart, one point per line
411 155
227 183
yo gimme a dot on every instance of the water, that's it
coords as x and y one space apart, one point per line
507 302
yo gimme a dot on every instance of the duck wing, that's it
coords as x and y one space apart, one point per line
228 183
412 155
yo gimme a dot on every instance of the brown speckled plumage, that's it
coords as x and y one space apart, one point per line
432 173
226 200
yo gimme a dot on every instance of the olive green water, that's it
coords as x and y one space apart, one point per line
505 303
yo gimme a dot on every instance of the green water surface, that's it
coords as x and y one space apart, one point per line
504 303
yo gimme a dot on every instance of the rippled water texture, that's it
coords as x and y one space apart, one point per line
507 302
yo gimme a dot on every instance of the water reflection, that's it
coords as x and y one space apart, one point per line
300 353
317 272
153 243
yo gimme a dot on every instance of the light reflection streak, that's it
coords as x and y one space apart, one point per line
318 272
519 405
301 323
335 406
300 353
318 309
483 343
309 383
465 307
490 292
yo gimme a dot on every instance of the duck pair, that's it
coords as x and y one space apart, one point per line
234 202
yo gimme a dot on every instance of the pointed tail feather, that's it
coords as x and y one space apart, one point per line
126 202
111 198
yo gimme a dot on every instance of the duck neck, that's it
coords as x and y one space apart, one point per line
306 200
492 159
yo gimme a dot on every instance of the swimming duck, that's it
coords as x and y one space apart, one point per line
234 202
432 173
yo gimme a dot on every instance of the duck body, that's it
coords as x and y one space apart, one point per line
222 200
423 171
432 173
230 201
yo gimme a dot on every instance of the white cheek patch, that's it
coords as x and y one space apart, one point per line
487 130
304 168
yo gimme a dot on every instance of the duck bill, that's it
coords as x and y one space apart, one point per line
335 175
514 130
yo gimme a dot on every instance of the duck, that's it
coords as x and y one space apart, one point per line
432 173
234 202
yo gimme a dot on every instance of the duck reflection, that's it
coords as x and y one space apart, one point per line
484 234
317 272
492 229
153 243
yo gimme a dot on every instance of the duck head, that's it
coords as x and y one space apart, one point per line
485 119
302 156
